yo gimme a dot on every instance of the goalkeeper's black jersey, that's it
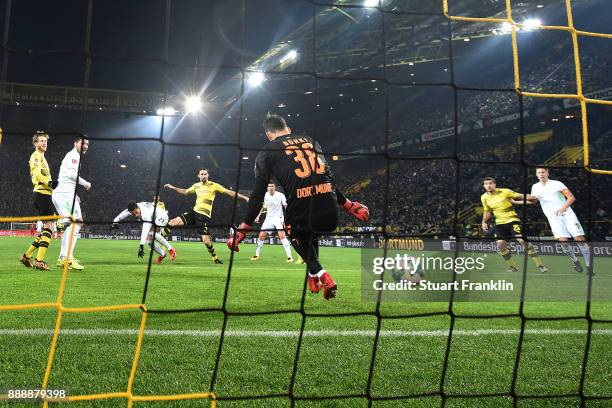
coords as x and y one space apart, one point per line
297 163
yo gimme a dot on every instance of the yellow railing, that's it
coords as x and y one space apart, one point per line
569 154
584 101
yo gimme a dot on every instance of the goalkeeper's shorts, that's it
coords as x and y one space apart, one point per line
320 224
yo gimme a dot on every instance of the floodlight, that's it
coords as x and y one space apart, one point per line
193 104
255 79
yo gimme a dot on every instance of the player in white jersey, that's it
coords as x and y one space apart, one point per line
274 203
64 197
143 211
556 200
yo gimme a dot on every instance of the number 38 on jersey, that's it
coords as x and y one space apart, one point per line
307 159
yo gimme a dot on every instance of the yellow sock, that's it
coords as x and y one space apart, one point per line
211 251
165 231
533 253
508 258
33 247
45 240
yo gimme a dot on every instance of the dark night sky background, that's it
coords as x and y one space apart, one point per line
206 31
209 32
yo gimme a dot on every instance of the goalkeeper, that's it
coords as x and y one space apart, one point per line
298 164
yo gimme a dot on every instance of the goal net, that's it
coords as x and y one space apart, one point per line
413 103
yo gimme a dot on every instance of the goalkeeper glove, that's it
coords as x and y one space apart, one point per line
358 210
52 184
235 239
141 251
115 225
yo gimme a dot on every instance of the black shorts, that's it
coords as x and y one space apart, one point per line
43 204
509 230
195 218
320 225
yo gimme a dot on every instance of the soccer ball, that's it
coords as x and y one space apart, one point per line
409 274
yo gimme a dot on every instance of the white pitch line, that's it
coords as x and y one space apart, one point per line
302 268
295 333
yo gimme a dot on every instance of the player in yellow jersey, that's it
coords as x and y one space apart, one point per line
205 191
43 187
498 202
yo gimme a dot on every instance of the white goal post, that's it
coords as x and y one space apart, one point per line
20 226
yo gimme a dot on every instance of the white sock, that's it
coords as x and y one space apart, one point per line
160 238
567 250
321 272
159 249
287 247
259 245
586 253
77 229
64 245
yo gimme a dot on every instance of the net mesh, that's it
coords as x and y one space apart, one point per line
442 393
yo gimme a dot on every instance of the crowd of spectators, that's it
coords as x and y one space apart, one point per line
421 196
416 110
410 196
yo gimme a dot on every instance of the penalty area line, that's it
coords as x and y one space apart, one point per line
295 333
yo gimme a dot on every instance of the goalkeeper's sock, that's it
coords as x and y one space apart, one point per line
533 253
211 250
287 246
567 250
505 253
586 253
43 245
259 246
33 246
159 238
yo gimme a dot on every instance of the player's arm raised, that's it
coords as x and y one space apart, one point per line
356 209
179 190
262 178
519 198
526 201
233 194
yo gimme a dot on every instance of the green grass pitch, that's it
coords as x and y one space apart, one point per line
95 350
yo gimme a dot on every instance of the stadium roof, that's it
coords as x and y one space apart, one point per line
410 39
